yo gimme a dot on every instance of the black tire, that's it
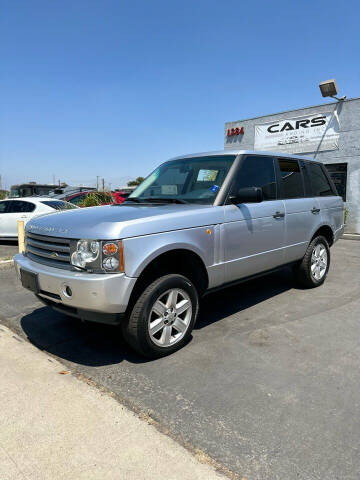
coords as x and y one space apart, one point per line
136 327
303 274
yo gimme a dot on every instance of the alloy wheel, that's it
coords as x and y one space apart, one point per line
319 261
170 317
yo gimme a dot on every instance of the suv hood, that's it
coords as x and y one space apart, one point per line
124 221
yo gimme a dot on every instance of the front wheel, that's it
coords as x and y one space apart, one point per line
163 316
312 270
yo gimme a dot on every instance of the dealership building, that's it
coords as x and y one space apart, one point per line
328 133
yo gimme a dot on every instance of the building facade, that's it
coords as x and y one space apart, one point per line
329 133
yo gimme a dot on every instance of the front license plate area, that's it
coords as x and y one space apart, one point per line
29 280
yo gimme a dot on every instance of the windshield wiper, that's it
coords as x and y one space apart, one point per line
164 200
132 199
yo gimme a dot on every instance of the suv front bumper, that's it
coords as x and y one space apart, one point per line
91 294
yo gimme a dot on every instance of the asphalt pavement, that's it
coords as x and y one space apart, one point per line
268 386
8 248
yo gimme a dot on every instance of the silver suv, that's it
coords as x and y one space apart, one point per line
197 223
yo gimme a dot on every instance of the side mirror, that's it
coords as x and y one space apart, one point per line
247 195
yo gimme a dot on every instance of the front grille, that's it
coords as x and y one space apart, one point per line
51 251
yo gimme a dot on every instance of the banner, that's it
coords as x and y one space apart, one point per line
305 134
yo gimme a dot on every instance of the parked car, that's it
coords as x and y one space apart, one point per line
103 198
196 224
12 210
32 188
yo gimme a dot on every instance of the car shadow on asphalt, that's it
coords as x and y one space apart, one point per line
94 344
12 242
84 343
231 300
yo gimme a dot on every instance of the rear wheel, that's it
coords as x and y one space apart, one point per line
163 316
315 264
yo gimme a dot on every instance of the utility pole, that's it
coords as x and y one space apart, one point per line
103 185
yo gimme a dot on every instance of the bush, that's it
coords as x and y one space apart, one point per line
346 211
96 199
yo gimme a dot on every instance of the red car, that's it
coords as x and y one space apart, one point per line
104 198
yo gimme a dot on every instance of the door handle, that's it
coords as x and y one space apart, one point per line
279 215
315 210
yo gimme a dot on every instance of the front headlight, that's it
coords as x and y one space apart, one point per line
87 251
98 256
113 256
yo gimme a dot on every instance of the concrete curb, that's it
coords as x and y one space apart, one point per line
4 264
351 236
35 396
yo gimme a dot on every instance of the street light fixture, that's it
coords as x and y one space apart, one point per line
328 88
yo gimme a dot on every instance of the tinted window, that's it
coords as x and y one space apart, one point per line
338 174
320 184
78 199
18 206
292 182
58 204
3 206
258 172
42 190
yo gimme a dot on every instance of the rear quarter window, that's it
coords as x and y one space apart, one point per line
58 205
319 182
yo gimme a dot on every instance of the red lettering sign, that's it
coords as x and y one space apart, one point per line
235 131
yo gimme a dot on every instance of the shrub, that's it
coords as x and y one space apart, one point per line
96 199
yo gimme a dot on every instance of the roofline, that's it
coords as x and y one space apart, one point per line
241 152
292 110
36 185
31 198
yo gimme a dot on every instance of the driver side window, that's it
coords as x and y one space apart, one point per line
4 207
257 171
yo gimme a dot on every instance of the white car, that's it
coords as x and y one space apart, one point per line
12 210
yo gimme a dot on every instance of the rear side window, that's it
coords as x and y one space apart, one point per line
19 206
291 177
320 184
58 204
258 171
78 199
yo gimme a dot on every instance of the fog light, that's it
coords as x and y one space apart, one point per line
66 290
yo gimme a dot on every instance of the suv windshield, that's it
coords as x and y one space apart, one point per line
188 180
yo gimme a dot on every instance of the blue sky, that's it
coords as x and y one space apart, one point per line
112 88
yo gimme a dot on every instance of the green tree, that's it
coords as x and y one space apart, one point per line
135 183
3 194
